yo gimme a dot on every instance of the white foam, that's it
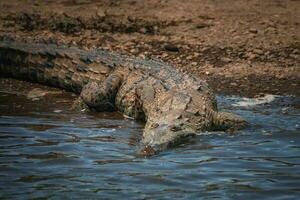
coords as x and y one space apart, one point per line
248 102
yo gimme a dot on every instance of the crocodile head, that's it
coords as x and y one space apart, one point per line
159 136
173 120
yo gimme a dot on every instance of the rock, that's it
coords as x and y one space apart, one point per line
226 60
253 30
143 56
251 56
194 63
295 56
171 47
276 42
203 49
134 51
258 51
295 51
164 55
143 30
196 54
202 25
189 57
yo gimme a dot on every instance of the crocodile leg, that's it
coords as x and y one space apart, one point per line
101 96
127 100
224 121
137 95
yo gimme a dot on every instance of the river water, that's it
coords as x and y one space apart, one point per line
49 152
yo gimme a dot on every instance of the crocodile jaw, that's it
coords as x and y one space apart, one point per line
163 137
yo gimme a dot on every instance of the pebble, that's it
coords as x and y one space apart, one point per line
226 60
171 47
295 51
253 30
202 25
294 56
189 57
251 56
258 51
276 42
144 30
204 49
164 55
196 54
142 56
194 63
134 51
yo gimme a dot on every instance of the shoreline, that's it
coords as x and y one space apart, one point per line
244 48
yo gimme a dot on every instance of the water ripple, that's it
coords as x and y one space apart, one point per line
44 154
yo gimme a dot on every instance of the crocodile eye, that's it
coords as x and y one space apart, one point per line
175 128
155 125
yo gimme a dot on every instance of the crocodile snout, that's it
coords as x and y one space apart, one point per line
162 137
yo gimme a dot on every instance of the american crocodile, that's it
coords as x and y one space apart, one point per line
174 105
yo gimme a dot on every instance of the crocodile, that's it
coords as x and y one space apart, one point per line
175 106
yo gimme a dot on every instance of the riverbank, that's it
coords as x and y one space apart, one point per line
247 48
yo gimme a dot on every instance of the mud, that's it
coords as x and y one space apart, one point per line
239 47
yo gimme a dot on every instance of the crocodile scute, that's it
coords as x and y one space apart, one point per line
174 105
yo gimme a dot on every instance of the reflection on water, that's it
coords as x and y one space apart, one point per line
49 154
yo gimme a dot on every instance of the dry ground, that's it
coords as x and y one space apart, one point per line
245 47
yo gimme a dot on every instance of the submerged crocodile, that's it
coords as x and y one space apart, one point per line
174 105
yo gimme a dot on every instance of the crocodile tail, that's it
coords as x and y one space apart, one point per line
224 121
41 63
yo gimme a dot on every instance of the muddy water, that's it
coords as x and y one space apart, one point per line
47 151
